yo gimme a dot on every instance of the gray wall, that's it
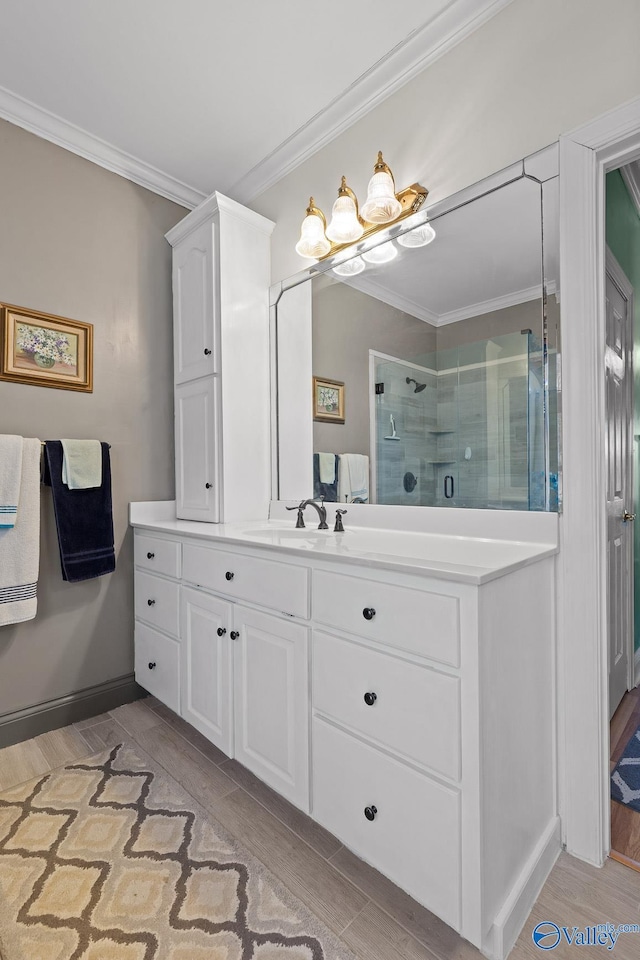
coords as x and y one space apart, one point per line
81 242
346 325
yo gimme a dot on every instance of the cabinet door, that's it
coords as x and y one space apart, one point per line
197 476
194 305
206 667
271 688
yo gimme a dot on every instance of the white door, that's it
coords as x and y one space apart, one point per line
196 434
271 693
194 305
619 461
207 684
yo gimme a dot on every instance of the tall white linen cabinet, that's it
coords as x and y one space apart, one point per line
221 278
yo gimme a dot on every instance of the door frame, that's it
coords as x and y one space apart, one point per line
586 155
619 277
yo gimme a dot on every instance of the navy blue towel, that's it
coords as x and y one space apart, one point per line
327 490
84 519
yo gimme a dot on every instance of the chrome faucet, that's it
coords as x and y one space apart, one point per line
321 511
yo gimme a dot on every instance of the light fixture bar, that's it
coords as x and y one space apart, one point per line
411 199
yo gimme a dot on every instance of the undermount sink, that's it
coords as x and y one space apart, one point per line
282 531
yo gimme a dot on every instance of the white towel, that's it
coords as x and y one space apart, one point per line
10 473
20 545
81 464
327 466
353 477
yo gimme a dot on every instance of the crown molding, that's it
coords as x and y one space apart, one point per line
421 48
631 176
393 299
488 306
23 113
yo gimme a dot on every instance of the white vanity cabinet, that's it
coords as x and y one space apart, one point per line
412 715
221 276
220 638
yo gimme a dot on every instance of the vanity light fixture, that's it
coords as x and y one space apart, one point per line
350 268
348 225
419 237
382 254
313 242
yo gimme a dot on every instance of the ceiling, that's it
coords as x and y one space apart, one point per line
200 95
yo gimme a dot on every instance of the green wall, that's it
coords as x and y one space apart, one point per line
623 238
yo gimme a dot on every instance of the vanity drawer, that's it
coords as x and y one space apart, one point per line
157 602
267 583
414 836
409 708
427 624
156 555
157 665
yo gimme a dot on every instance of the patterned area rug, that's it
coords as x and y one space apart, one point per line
110 859
625 779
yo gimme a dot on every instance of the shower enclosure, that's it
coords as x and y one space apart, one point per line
465 427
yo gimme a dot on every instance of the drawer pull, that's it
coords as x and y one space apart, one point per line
368 613
234 634
207 352
152 666
370 812
221 631
229 575
150 556
208 486
370 698
150 603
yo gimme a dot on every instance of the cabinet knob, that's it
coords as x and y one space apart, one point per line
208 486
221 631
150 556
370 698
229 575
368 613
152 666
150 603
234 634
207 352
370 812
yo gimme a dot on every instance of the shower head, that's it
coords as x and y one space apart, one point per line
419 387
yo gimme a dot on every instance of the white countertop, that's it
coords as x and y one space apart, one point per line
464 559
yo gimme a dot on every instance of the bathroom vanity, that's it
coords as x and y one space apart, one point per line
395 681
396 686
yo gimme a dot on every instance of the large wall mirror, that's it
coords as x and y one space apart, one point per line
423 370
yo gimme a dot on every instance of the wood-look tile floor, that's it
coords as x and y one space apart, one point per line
625 822
376 919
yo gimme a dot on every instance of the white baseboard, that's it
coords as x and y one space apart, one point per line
517 907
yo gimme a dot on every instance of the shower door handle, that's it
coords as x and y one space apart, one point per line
449 486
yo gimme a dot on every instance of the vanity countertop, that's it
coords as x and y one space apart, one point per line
463 559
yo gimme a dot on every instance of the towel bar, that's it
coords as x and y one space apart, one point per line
42 444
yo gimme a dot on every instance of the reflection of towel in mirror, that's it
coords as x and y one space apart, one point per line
353 477
327 467
327 490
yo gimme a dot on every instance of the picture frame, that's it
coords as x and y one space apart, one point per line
328 400
45 350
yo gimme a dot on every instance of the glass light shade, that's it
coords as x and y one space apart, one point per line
350 267
419 237
345 226
382 254
313 242
382 206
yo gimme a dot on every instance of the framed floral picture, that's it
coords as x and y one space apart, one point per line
328 400
45 350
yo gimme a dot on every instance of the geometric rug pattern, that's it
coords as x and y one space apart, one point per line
625 779
110 859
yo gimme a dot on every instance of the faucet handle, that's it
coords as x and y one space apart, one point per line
339 528
300 518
